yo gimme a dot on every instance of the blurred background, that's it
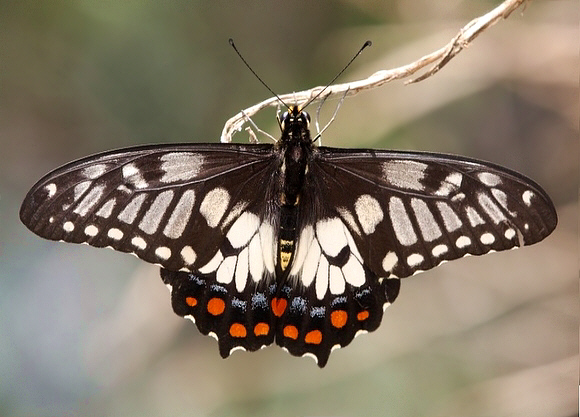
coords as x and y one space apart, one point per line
91 332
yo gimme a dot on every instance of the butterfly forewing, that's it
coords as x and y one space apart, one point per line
408 212
169 205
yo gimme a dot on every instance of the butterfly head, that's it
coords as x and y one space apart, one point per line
294 117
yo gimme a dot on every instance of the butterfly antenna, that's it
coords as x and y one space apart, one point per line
233 45
366 44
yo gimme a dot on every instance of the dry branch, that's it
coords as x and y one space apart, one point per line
439 58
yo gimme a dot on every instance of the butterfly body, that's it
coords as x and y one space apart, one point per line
289 243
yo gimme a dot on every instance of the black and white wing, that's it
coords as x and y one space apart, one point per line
169 205
409 211
205 213
372 217
209 215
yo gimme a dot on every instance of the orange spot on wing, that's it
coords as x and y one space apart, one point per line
191 301
291 332
216 306
238 330
313 337
338 318
363 315
261 329
278 306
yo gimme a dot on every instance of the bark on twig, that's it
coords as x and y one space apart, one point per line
437 59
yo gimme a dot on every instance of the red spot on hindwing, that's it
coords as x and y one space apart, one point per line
291 332
363 315
261 329
216 306
279 306
338 318
238 330
313 337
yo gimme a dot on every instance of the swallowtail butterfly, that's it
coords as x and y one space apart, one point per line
289 242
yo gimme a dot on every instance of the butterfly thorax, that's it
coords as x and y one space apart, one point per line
296 148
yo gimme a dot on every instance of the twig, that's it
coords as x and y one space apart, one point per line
439 58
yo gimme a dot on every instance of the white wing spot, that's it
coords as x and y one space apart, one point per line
234 213
303 245
310 264
268 243
129 213
450 184
502 198
401 223
107 208
94 171
255 255
415 259
115 233
369 213
509 233
90 200
68 226
462 242
439 250
242 269
405 174
349 219
80 189
188 255
150 221
180 166
489 179
124 189
473 216
390 261
139 242
330 235
360 332
132 175
337 284
450 218
527 197
225 272
487 238
180 215
50 189
91 230
214 206
353 272
427 223
163 252
213 264
243 229
490 208
322 278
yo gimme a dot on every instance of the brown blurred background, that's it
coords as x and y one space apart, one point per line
91 332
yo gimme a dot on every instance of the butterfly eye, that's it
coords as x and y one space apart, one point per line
283 119
305 117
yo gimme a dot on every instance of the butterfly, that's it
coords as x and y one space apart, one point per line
293 243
